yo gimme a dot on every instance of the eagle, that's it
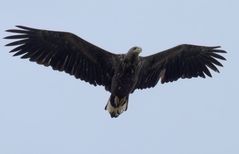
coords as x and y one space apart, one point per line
120 74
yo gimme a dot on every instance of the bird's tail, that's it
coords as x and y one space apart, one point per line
116 105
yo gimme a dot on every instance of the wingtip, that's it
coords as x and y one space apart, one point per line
7 45
8 30
20 26
24 27
219 51
8 37
215 47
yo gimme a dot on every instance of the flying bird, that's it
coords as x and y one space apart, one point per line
120 74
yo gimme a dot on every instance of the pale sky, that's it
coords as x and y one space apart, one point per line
48 112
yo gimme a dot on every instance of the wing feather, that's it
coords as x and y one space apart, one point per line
183 61
64 51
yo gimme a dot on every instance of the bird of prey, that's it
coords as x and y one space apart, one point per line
120 74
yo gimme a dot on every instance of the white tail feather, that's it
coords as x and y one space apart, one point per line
116 111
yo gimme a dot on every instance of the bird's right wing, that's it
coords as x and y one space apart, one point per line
65 51
183 61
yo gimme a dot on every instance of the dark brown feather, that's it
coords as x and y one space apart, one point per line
183 61
65 51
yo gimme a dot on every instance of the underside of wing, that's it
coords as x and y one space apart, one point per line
64 51
183 61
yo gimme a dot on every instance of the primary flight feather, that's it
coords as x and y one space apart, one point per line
120 74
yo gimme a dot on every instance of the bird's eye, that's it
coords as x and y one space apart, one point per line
134 48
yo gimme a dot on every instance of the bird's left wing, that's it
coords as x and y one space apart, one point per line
183 61
65 51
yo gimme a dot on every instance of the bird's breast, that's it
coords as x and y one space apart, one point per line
124 80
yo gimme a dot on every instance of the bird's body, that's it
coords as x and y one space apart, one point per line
124 82
120 74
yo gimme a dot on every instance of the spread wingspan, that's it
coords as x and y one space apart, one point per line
64 51
183 61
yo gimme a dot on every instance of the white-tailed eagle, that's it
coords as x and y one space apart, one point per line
120 74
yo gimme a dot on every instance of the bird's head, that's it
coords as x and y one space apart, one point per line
133 53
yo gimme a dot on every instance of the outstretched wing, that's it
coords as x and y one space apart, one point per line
183 61
65 51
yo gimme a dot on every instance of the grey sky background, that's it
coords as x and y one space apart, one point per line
45 112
